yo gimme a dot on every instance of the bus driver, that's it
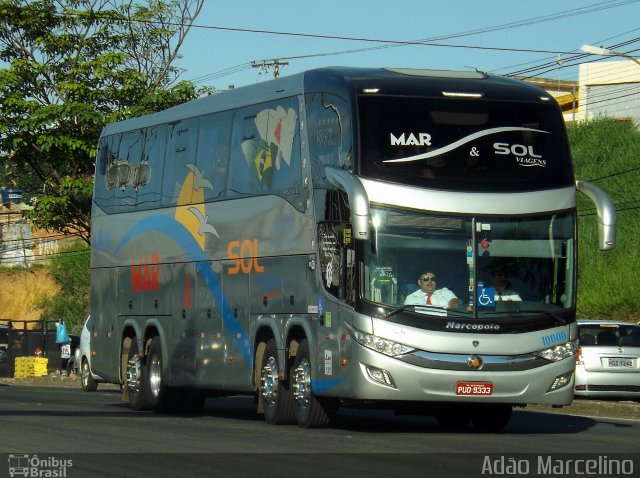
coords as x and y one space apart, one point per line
428 294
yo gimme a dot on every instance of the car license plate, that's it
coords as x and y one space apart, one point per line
620 362
474 388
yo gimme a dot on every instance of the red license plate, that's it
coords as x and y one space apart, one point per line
474 388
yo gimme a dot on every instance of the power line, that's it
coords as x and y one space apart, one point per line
429 41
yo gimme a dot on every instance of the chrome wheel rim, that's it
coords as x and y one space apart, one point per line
302 383
155 376
269 381
85 374
133 374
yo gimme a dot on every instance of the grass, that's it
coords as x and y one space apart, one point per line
607 153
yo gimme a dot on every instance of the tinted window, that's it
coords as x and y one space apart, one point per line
106 172
265 151
180 158
149 174
212 159
329 130
609 334
469 145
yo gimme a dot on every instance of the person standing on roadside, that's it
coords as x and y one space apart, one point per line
62 339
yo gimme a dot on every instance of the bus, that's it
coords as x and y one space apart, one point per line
263 241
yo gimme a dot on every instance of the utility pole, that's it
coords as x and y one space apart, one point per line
265 65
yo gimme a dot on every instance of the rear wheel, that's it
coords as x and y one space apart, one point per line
162 399
276 396
88 383
310 411
491 418
136 386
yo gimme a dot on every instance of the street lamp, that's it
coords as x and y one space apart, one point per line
596 50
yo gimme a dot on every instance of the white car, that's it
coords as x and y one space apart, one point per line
88 379
608 360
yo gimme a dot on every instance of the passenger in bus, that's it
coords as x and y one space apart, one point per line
500 282
429 294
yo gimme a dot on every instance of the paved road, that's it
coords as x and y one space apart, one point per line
62 422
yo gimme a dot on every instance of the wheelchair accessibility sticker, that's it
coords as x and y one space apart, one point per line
486 297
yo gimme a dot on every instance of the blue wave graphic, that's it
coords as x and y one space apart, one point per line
175 230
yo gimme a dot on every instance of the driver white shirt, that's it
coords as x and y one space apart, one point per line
439 298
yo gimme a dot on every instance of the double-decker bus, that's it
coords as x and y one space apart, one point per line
264 241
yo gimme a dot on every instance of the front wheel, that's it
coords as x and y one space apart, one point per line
310 411
88 383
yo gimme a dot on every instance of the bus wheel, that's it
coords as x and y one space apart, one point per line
491 418
162 399
88 383
311 411
276 397
136 380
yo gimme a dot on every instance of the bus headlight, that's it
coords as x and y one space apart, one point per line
558 352
385 346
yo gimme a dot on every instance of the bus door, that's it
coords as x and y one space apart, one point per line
335 297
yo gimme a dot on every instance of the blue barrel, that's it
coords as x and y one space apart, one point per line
11 196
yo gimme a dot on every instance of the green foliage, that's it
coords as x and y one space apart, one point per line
607 152
74 66
70 270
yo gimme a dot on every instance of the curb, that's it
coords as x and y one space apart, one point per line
594 408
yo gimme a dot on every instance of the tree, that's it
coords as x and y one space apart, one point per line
74 66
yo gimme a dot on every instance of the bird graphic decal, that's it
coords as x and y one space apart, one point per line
204 226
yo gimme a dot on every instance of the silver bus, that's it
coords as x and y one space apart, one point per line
271 240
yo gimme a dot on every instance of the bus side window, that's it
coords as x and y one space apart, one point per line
105 180
129 157
212 158
150 181
179 162
329 122
265 151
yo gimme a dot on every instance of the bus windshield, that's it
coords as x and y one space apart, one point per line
463 145
490 264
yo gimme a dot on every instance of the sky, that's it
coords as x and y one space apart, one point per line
510 36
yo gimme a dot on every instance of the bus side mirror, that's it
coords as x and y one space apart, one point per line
606 213
358 201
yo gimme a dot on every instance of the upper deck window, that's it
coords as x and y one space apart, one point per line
465 145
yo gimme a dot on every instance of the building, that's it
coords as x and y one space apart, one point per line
609 88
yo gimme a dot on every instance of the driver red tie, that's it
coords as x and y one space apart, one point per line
429 298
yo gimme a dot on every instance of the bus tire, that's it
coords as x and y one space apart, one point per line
136 371
276 397
88 383
491 418
162 399
310 411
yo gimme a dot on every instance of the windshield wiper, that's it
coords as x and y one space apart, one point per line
426 309
399 309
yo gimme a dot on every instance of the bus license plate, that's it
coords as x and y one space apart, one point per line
474 388
620 362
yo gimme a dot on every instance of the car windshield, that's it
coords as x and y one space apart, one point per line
493 265
609 335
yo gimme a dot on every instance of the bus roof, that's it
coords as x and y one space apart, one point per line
347 81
